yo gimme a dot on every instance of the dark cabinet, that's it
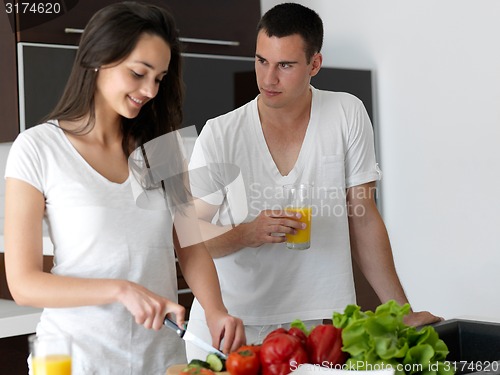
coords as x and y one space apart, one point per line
216 27
8 79
61 25
222 27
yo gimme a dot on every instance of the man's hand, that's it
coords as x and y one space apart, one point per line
421 318
270 226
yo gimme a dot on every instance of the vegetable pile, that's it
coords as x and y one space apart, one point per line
214 363
357 340
381 338
284 351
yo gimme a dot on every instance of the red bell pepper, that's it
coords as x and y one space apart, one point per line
297 332
280 353
324 346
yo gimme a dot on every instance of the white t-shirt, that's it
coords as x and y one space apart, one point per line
271 284
98 231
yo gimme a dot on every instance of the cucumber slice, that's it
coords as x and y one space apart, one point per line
198 363
216 363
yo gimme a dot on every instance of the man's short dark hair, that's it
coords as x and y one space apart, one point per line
290 18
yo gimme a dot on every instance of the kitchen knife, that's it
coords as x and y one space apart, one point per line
188 336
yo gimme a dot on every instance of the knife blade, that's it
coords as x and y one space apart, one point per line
190 337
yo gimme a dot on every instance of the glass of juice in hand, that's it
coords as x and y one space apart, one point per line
298 199
50 355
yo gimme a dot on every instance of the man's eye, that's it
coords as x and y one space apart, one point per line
285 66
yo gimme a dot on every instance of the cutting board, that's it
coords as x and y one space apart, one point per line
176 370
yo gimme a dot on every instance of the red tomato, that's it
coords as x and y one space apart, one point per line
254 348
244 361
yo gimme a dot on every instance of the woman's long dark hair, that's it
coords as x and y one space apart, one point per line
109 37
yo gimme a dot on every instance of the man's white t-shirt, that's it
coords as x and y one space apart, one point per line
272 284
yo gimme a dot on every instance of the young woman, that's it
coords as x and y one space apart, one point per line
114 276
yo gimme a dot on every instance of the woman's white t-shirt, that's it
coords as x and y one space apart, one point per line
98 231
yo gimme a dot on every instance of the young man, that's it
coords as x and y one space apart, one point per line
294 133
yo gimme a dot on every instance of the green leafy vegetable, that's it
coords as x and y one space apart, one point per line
297 323
380 339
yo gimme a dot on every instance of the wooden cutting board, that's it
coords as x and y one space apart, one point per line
176 370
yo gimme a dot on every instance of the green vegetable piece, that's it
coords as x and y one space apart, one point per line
215 362
297 323
198 363
381 338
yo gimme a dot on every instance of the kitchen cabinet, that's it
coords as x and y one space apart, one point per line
222 27
4 289
15 351
219 27
215 27
8 78
60 24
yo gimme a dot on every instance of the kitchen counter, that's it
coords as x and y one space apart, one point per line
17 320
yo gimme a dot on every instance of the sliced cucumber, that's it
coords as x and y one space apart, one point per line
216 362
198 363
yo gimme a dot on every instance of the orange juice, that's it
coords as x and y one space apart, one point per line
302 239
54 364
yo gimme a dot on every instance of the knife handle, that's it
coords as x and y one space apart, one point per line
172 325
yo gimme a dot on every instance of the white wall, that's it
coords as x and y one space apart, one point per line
437 95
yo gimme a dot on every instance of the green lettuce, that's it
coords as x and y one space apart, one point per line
380 339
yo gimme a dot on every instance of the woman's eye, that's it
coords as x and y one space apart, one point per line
135 74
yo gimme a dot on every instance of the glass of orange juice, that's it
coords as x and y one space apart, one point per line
298 199
50 355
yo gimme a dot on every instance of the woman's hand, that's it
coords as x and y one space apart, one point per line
227 327
148 308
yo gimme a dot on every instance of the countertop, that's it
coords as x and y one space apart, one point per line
17 320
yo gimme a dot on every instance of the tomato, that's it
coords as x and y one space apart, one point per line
197 371
244 361
254 348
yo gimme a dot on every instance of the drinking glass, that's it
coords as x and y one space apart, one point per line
298 199
50 354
